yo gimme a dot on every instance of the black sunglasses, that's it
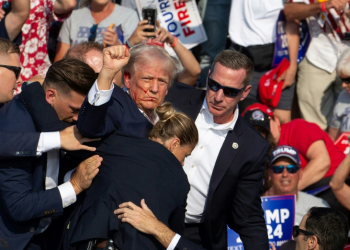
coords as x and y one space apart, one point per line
14 69
345 80
92 36
292 169
228 91
297 231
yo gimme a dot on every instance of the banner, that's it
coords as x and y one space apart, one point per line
281 45
342 142
180 19
279 217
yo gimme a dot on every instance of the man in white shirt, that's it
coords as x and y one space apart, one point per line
252 30
30 190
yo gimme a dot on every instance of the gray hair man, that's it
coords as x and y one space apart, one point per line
148 73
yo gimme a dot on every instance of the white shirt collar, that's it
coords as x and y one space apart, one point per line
210 119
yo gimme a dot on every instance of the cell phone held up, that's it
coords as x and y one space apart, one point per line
6 6
150 14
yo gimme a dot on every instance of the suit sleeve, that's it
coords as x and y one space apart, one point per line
18 144
100 121
246 216
185 244
17 198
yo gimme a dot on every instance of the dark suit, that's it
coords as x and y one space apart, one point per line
133 168
19 144
22 183
119 114
236 182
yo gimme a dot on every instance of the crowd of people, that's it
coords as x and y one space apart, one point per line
116 144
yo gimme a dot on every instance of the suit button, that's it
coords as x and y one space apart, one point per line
32 229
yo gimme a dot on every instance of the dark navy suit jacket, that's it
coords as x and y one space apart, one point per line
20 144
22 182
133 168
119 114
236 182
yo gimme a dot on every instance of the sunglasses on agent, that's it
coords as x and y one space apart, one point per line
14 69
297 231
228 91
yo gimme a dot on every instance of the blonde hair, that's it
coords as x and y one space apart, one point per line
174 124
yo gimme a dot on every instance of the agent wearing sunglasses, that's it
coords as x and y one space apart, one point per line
9 69
284 173
321 229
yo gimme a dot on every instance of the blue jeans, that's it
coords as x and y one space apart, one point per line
215 23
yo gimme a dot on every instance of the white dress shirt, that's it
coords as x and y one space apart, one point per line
200 164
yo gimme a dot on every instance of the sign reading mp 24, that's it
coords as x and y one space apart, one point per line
279 216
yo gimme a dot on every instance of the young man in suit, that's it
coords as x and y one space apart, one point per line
19 144
30 193
225 169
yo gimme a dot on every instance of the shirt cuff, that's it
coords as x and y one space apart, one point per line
67 194
68 175
174 242
98 97
47 142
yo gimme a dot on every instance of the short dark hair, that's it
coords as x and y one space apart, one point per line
69 75
8 47
235 60
329 225
79 50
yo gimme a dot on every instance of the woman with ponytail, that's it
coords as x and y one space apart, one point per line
135 168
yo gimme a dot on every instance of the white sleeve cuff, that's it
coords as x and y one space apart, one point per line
98 97
68 175
48 141
174 242
67 194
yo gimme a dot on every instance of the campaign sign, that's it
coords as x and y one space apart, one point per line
281 45
180 19
279 217
342 142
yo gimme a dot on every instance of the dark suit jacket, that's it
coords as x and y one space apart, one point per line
19 144
22 182
133 168
119 114
236 182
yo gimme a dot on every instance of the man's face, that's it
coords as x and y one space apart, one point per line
148 85
301 243
8 81
66 106
220 106
284 183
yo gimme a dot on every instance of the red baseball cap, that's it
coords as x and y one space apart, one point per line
258 106
269 89
258 114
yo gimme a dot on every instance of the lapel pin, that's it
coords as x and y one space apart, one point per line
235 145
